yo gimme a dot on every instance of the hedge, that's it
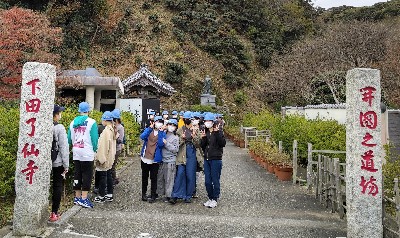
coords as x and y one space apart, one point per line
9 141
323 135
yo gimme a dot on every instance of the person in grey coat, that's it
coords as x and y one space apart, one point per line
167 170
61 163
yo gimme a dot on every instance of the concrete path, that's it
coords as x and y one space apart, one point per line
253 204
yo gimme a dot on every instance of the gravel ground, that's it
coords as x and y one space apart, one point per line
253 204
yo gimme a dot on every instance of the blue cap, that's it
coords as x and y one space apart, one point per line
58 108
196 114
165 112
174 113
84 107
173 121
107 116
209 117
157 118
116 114
151 113
181 113
187 115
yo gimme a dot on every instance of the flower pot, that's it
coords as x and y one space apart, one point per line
262 164
241 144
252 155
284 174
266 164
276 169
270 168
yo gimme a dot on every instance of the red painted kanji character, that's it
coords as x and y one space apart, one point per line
30 171
370 185
369 119
33 151
368 162
367 94
367 138
33 84
33 105
33 128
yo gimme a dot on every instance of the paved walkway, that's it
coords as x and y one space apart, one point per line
253 204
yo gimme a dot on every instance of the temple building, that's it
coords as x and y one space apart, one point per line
101 92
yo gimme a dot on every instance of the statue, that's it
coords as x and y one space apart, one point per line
207 85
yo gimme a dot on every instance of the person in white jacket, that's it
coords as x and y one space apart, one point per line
83 136
60 164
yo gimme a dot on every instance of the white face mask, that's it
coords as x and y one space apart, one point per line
158 125
208 124
175 116
60 115
165 116
195 122
171 128
151 116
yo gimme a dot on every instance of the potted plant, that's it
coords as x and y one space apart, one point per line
284 167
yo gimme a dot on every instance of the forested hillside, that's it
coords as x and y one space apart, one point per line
259 53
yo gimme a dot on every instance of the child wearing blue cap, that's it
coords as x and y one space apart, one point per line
213 143
60 159
151 156
167 170
83 137
105 159
185 180
120 131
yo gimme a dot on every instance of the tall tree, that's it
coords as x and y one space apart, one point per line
24 36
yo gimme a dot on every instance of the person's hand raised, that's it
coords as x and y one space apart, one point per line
151 124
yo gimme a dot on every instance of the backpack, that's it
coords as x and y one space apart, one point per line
54 146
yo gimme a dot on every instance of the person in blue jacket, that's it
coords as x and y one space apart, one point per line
151 156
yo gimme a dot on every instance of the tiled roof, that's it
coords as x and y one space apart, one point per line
320 106
327 106
143 77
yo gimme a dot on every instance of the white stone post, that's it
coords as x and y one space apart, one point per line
90 96
97 100
363 154
33 168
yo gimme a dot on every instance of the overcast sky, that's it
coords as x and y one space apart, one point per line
336 3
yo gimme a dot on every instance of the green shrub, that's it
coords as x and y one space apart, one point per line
202 108
240 97
323 135
174 72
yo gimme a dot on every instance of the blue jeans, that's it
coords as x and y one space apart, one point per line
185 180
212 176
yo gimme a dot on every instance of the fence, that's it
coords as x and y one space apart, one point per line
326 178
250 133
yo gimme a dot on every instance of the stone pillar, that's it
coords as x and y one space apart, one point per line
90 96
33 168
364 154
97 99
117 99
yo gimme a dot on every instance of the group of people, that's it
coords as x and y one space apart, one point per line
93 147
174 150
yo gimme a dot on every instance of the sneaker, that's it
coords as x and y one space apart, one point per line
195 196
76 200
53 217
144 198
212 204
85 203
108 198
189 200
152 200
206 204
172 201
99 199
166 199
